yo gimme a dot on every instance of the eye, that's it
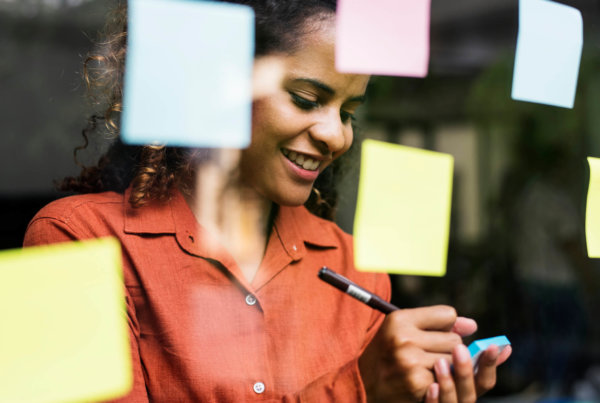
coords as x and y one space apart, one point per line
303 103
347 116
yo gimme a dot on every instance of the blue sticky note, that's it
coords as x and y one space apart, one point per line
548 54
479 346
188 75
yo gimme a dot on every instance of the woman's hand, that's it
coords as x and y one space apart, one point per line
409 359
462 386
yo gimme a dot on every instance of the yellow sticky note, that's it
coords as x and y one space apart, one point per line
64 333
592 213
402 218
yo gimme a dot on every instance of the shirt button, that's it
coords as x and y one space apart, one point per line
259 387
251 300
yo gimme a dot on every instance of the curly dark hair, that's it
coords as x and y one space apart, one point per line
151 171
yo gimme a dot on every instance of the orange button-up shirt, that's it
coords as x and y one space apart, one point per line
200 331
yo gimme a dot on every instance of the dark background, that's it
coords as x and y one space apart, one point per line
463 108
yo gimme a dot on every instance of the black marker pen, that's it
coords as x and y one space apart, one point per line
343 284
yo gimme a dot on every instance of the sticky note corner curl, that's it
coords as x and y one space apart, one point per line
402 217
65 334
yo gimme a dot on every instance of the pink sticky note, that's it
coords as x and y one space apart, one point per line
383 37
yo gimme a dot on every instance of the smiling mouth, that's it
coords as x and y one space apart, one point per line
302 160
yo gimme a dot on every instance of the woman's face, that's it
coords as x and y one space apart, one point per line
299 129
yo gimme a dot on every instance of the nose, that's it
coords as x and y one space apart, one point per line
329 132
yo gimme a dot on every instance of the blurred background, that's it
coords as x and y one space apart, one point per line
517 259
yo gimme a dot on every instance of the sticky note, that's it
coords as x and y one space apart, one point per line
402 220
188 75
64 325
592 213
479 346
383 37
548 53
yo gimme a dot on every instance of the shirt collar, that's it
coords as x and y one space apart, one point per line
175 217
155 218
295 226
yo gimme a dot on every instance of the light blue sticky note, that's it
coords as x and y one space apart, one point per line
188 75
548 53
477 347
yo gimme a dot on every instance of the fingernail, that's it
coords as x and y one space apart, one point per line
462 353
434 391
469 321
465 325
442 367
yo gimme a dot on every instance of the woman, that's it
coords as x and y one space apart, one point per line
212 319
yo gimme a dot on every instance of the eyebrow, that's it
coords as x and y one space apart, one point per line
328 89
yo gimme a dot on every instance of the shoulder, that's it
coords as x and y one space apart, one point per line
66 207
75 217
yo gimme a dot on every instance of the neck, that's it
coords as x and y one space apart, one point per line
236 214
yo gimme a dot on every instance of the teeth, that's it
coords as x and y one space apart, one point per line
302 160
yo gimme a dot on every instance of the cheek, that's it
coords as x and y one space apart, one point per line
270 111
263 129
267 131
277 118
260 119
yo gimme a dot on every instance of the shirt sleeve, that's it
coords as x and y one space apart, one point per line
48 230
345 384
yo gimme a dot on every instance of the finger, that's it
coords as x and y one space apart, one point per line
463 375
267 75
464 326
439 317
437 342
228 159
504 354
410 357
430 359
447 390
417 383
409 370
486 372
433 393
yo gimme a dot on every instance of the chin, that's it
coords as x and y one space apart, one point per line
291 199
